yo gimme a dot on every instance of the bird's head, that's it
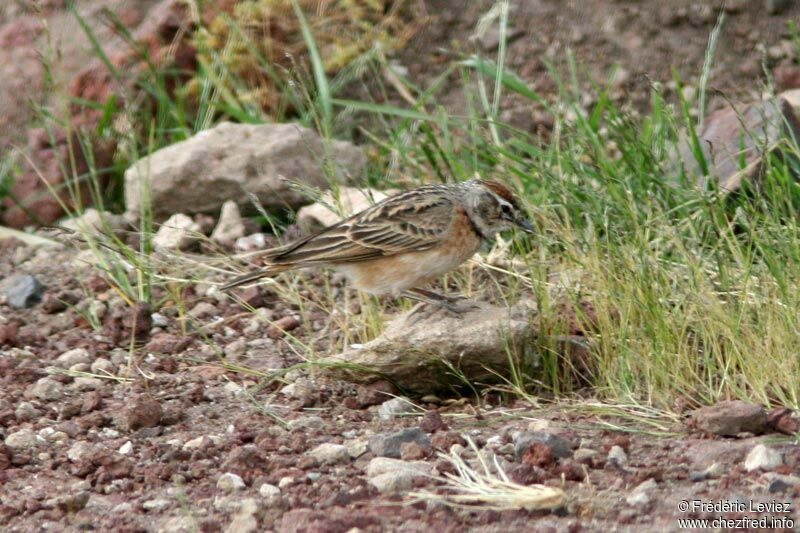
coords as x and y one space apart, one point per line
493 207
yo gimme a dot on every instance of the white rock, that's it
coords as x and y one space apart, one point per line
230 482
93 221
270 492
230 225
640 496
24 439
159 320
197 443
158 504
762 457
126 448
357 447
73 357
178 232
328 453
79 450
230 161
286 481
307 422
85 383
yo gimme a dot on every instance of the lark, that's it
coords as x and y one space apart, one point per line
402 243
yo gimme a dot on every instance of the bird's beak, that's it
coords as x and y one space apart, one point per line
524 224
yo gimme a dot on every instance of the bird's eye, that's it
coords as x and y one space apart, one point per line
505 209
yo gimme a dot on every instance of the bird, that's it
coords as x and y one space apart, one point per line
405 241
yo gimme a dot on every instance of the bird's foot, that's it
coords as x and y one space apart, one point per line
431 303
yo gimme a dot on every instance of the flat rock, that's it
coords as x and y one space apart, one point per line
419 355
328 453
178 232
233 161
730 418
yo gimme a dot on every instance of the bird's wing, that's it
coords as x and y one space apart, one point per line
410 221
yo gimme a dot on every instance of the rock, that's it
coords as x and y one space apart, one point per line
432 422
102 366
395 482
144 413
559 447
25 411
231 161
783 420
24 439
230 482
395 407
203 310
158 504
126 448
95 222
178 232
331 208
357 447
392 476
585 455
730 418
329 454
73 357
734 140
307 422
48 389
778 485
72 503
715 470
270 492
244 521
618 455
762 458
23 291
382 465
29 239
230 225
389 444
489 39
413 353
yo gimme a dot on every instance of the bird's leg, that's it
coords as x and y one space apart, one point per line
454 305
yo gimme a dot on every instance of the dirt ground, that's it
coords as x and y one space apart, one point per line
147 452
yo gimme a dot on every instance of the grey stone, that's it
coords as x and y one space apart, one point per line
23 291
328 453
559 447
24 439
73 357
95 222
618 455
730 418
389 444
417 354
270 492
395 407
382 465
397 482
232 161
48 389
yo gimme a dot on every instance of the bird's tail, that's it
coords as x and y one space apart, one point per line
265 272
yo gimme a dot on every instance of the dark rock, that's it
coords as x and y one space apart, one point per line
559 447
783 420
390 444
432 422
778 485
776 7
730 418
144 413
23 291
